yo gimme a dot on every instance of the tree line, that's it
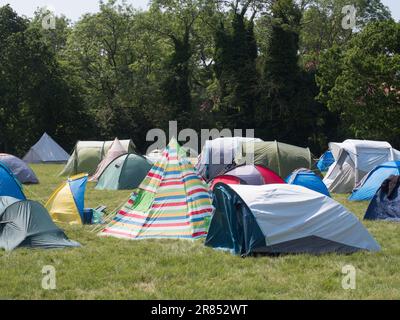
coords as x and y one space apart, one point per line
286 68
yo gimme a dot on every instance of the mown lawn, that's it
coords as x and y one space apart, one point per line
107 268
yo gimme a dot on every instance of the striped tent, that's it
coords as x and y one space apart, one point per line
172 202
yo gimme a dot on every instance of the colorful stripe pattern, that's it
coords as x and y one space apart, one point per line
172 202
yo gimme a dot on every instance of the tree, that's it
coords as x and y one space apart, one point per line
365 88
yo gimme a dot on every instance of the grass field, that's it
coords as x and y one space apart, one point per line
107 268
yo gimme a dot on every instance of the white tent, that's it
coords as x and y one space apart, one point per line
218 154
282 218
353 160
46 150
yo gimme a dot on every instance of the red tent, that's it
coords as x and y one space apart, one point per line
248 174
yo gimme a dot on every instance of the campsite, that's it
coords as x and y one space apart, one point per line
200 150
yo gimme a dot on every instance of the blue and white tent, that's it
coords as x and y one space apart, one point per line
283 218
325 161
308 179
9 185
373 180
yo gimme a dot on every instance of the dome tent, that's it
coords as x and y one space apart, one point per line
217 155
67 203
280 157
46 150
353 160
248 174
9 185
282 218
19 168
26 223
116 150
370 184
124 173
386 203
172 202
308 179
88 154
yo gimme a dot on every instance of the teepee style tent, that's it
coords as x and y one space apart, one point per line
325 161
25 223
218 154
88 154
248 174
308 179
67 203
280 157
19 168
46 150
370 184
282 218
172 202
116 150
353 160
386 203
124 173
9 185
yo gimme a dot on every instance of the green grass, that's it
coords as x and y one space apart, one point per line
108 268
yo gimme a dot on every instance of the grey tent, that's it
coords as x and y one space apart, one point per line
46 150
28 224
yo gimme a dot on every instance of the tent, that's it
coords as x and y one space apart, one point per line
218 154
46 150
353 160
280 157
19 168
370 184
88 154
248 174
124 173
116 150
283 218
308 179
9 185
67 203
386 203
325 161
26 223
172 202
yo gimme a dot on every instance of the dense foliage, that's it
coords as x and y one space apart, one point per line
285 68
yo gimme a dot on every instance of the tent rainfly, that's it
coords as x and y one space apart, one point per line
46 150
308 179
325 161
19 168
87 155
280 157
353 160
25 223
172 202
283 218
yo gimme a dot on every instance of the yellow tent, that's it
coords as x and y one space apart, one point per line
66 204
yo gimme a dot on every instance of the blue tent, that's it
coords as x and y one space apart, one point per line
9 185
308 179
386 203
325 161
373 180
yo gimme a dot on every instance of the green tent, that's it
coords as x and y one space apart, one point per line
126 172
28 224
88 154
280 157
